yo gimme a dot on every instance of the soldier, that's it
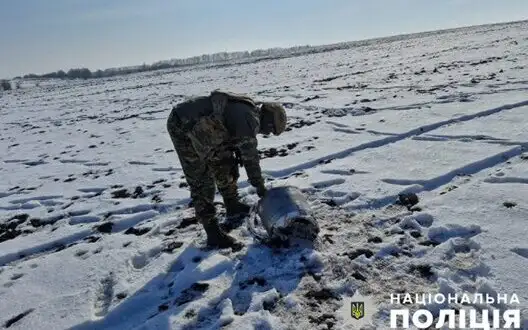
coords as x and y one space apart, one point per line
208 133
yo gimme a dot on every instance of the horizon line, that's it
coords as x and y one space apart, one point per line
388 36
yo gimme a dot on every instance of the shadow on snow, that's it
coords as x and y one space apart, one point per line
167 296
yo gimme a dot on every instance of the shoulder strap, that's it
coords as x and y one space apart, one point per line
219 101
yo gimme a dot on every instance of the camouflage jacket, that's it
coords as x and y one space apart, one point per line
223 120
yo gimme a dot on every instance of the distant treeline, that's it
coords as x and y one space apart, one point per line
84 73
71 74
228 58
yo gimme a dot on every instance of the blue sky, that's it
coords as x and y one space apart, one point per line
39 36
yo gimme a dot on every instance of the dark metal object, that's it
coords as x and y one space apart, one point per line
285 214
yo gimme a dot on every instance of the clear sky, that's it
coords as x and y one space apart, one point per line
40 36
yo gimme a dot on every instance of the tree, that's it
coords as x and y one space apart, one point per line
98 74
5 85
79 73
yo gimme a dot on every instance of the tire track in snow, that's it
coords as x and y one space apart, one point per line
393 139
442 180
115 224
46 247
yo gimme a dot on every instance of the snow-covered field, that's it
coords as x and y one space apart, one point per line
96 233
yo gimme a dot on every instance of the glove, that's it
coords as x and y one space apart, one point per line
261 191
238 157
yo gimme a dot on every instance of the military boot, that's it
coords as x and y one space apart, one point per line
236 209
236 212
216 237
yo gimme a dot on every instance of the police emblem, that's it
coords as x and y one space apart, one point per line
357 309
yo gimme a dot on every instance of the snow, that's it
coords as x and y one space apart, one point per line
96 231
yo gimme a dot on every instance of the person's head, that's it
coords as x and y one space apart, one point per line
272 118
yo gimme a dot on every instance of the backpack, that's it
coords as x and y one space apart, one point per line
209 132
220 98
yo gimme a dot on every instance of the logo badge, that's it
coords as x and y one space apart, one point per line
357 309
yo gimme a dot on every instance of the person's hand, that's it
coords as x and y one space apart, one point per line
261 191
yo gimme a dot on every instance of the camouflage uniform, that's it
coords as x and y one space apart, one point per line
206 132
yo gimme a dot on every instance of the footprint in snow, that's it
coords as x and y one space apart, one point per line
328 183
104 296
343 172
73 161
41 199
35 163
340 198
137 231
464 245
96 164
334 193
82 254
142 259
443 233
83 219
17 318
98 250
138 162
521 252
195 291
14 161
166 169
126 193
95 190
16 276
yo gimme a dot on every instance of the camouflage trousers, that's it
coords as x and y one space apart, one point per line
203 176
